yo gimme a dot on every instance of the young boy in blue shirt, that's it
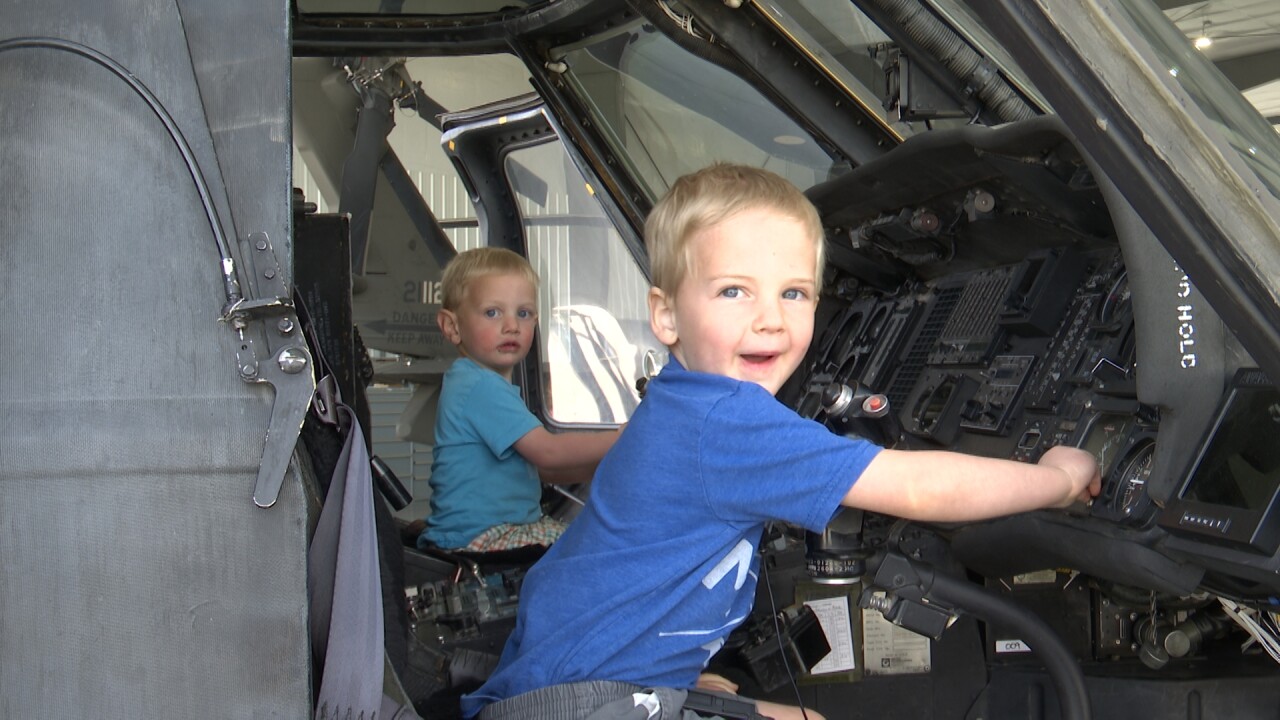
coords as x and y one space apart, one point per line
661 564
491 453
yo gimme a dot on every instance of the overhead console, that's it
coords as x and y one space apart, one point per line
978 283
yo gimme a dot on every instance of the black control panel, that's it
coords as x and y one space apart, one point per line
1007 361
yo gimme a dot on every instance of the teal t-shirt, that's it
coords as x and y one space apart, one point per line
478 480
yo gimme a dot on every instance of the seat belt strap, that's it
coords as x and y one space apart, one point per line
347 589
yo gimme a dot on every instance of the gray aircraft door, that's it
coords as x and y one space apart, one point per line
144 247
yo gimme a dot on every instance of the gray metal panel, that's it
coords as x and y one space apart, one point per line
137 578
241 55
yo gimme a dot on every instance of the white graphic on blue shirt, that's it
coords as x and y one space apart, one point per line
713 647
740 557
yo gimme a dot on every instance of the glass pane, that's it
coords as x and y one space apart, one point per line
592 313
1236 121
651 97
450 82
852 48
855 50
961 17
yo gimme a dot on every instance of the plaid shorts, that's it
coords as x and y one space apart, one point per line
508 536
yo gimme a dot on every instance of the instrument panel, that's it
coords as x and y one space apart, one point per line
1007 362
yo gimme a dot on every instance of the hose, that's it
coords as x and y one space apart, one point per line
942 42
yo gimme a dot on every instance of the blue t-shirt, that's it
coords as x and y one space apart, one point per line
661 564
478 480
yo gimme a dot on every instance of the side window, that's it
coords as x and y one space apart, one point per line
593 316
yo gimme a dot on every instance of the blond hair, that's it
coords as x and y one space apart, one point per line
467 266
712 195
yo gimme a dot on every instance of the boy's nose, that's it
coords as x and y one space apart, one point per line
769 317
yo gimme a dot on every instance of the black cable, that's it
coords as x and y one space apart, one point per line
777 630
230 283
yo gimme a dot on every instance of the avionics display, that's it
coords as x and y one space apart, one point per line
1232 490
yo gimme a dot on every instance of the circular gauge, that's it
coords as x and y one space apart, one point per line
1132 474
1106 437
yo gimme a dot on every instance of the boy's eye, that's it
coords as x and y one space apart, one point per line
491 312
794 294
524 314
731 292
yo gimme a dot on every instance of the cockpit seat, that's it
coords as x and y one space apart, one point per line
479 564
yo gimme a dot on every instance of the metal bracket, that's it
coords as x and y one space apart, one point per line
272 350
388 75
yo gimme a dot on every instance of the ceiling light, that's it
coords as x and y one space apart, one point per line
1204 41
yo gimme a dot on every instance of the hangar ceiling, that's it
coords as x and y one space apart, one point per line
1245 45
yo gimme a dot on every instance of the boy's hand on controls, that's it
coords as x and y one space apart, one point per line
1081 470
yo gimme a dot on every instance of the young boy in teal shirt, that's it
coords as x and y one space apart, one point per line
661 565
491 453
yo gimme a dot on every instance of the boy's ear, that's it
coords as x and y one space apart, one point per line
662 317
448 323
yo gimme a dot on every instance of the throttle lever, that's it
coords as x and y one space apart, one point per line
843 403
840 400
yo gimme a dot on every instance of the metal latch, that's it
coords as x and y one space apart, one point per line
272 350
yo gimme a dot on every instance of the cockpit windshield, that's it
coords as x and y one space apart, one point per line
669 112
1238 122
649 94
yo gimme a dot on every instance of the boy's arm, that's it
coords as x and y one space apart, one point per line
566 457
950 487
568 476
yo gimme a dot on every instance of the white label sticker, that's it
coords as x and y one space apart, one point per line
1039 577
833 615
1011 646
